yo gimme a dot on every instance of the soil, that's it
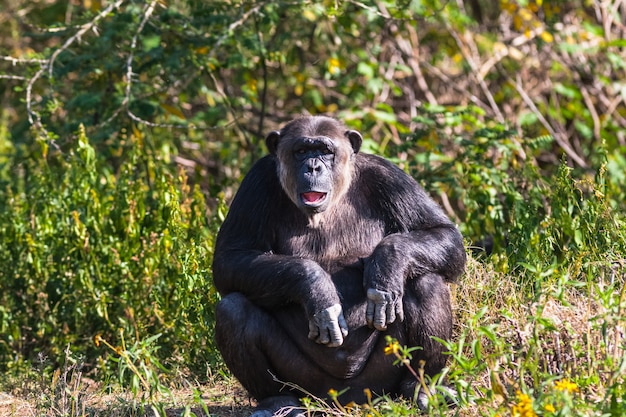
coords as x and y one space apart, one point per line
221 400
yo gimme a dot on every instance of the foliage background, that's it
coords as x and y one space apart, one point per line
125 127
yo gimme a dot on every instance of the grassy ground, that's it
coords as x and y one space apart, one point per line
558 347
224 399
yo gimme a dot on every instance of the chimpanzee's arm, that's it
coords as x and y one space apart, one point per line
271 281
420 238
243 261
438 249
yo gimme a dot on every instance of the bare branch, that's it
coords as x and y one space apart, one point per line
16 61
380 11
131 55
560 139
235 25
33 117
475 71
411 49
597 125
453 84
83 29
12 77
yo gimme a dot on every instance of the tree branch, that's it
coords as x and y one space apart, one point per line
34 117
558 137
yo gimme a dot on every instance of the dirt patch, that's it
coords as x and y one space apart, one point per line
13 406
223 400
219 399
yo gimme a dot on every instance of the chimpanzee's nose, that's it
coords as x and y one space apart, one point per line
314 166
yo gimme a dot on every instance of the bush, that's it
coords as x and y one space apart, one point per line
490 179
91 253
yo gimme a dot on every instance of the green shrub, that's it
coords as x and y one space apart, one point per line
88 252
495 186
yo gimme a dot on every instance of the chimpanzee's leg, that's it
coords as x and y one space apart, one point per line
255 348
428 313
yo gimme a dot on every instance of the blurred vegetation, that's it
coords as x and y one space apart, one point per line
125 127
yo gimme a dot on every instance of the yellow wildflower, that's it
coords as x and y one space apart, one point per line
566 385
524 406
392 348
252 84
334 66
368 394
546 36
549 408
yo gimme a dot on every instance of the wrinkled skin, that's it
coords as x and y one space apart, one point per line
324 251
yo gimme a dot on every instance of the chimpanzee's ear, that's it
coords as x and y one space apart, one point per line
271 141
355 139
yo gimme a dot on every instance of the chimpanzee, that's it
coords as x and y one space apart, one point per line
323 253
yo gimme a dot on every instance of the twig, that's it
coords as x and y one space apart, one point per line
12 77
445 202
611 106
453 84
235 25
559 138
327 411
592 109
410 49
16 61
371 9
131 55
474 67
235 120
129 68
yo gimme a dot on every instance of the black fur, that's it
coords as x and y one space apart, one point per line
276 269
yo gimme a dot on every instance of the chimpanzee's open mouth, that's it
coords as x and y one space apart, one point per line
313 198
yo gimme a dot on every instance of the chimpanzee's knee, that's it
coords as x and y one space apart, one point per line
232 308
231 319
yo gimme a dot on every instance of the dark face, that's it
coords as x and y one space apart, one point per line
314 161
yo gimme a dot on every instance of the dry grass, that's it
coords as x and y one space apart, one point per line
566 329
223 398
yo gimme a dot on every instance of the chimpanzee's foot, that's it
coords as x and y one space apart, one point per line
279 406
442 392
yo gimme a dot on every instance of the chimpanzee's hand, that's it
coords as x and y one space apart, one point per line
383 307
328 326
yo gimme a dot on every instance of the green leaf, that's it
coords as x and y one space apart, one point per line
151 42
